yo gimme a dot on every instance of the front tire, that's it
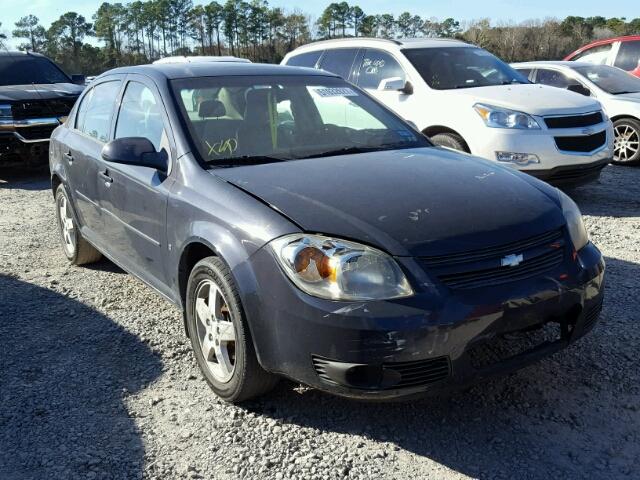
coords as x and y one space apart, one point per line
77 250
450 140
220 335
626 150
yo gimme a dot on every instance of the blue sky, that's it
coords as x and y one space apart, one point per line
49 10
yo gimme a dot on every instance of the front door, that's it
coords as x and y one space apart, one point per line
134 198
375 67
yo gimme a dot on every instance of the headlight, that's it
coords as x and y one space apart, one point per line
575 225
5 112
338 269
497 117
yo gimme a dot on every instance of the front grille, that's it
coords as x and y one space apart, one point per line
574 121
504 347
585 143
576 173
36 132
412 374
483 267
592 315
421 372
56 107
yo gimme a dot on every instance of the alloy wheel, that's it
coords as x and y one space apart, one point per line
626 143
216 332
67 226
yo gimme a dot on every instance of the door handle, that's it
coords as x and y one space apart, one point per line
68 156
105 176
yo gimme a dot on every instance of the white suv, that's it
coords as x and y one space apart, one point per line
463 97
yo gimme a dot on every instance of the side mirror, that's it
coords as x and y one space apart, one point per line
78 79
135 151
579 88
397 84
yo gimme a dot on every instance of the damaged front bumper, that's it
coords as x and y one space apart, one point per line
437 340
26 140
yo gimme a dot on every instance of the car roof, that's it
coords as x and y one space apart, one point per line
553 63
200 58
399 43
17 53
172 71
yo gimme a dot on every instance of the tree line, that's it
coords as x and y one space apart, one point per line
142 31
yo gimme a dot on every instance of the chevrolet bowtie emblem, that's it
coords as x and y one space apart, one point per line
512 260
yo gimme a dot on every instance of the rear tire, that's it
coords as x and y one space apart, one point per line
220 335
450 140
77 250
626 149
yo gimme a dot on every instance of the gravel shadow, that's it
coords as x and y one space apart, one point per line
65 373
574 415
616 194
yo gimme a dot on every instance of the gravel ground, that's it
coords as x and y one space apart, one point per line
97 381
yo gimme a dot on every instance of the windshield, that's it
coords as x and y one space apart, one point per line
25 70
461 67
610 79
233 120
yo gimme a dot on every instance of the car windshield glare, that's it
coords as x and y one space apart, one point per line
610 79
240 119
461 67
25 70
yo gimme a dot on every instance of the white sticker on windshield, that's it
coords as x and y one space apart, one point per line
335 92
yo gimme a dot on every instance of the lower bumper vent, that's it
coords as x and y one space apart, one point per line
383 376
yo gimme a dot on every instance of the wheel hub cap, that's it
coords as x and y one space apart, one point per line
626 143
216 332
67 226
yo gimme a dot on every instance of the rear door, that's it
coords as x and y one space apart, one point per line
135 197
339 61
81 153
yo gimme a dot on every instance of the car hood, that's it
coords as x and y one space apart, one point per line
416 202
47 91
534 99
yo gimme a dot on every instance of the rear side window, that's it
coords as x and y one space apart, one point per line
377 66
628 56
309 59
597 55
339 61
141 116
96 109
553 78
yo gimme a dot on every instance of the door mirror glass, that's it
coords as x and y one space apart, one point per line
135 151
396 84
579 88
78 79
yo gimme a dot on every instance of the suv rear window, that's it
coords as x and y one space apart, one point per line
308 59
25 70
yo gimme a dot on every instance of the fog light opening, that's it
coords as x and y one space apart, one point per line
517 158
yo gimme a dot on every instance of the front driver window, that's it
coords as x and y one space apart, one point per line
377 66
140 116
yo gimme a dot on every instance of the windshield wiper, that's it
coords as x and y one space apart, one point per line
246 160
626 91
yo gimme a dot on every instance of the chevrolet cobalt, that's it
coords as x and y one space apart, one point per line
308 232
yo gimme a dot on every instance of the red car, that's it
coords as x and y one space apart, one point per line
621 52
